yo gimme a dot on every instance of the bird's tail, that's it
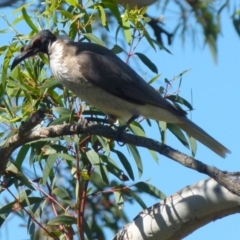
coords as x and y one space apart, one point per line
199 134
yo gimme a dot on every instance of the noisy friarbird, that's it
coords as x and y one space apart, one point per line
99 77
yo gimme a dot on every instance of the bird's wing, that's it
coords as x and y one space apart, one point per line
116 77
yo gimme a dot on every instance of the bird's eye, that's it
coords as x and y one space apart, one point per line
21 49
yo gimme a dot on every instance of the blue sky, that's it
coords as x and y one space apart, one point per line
214 89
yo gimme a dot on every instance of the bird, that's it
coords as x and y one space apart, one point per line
100 78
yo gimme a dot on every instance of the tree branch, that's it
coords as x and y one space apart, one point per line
182 213
90 128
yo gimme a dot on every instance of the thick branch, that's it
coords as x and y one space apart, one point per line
85 127
183 213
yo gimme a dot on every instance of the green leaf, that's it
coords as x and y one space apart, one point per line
147 62
2 49
137 158
94 39
102 14
62 110
104 143
7 208
163 127
17 20
73 3
64 115
5 71
66 156
154 155
178 133
61 193
32 229
14 171
119 198
149 39
113 6
111 166
236 24
50 83
33 200
137 130
154 79
28 20
98 164
150 189
48 167
62 220
60 120
67 14
138 200
126 27
47 150
193 145
3 217
22 155
117 49
125 163
176 98
87 230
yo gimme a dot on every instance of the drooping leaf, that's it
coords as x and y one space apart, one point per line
87 230
28 20
111 166
126 27
150 189
98 165
102 15
125 163
22 155
147 62
178 133
137 158
138 199
163 128
176 98
154 155
193 145
48 167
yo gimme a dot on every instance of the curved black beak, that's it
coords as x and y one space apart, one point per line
26 52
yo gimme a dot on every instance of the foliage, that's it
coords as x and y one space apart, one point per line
73 184
191 20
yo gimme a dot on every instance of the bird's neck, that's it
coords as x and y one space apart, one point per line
55 48
57 55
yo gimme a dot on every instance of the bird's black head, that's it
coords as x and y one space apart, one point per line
38 44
